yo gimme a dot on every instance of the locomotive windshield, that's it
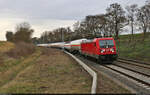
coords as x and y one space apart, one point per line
106 43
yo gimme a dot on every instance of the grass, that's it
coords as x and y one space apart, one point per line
9 72
8 61
21 50
10 66
55 73
136 49
5 46
44 71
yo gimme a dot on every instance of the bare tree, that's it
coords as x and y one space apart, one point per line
143 18
80 30
91 22
117 15
68 35
45 37
131 16
56 35
105 25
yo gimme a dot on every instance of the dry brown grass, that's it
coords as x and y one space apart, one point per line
54 72
48 51
21 50
1 59
6 46
10 67
7 75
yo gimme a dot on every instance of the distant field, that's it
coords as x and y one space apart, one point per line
43 71
136 49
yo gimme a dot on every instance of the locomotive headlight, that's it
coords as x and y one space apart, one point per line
112 50
102 50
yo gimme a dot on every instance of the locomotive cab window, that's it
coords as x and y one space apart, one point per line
106 43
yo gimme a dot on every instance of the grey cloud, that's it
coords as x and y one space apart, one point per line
58 9
50 14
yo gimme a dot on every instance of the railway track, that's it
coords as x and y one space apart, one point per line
134 64
142 79
133 70
133 61
134 73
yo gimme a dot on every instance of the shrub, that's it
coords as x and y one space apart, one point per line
21 49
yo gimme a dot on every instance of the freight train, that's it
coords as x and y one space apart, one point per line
102 49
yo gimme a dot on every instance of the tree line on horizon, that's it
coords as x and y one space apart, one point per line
110 24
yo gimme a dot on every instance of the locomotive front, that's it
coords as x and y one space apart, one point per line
107 48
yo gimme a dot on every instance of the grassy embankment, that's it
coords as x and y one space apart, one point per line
28 69
136 49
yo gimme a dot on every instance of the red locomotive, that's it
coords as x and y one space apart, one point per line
103 49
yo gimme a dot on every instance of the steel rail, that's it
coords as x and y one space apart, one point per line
136 79
132 70
139 65
131 60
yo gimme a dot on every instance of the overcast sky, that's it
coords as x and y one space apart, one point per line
50 14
